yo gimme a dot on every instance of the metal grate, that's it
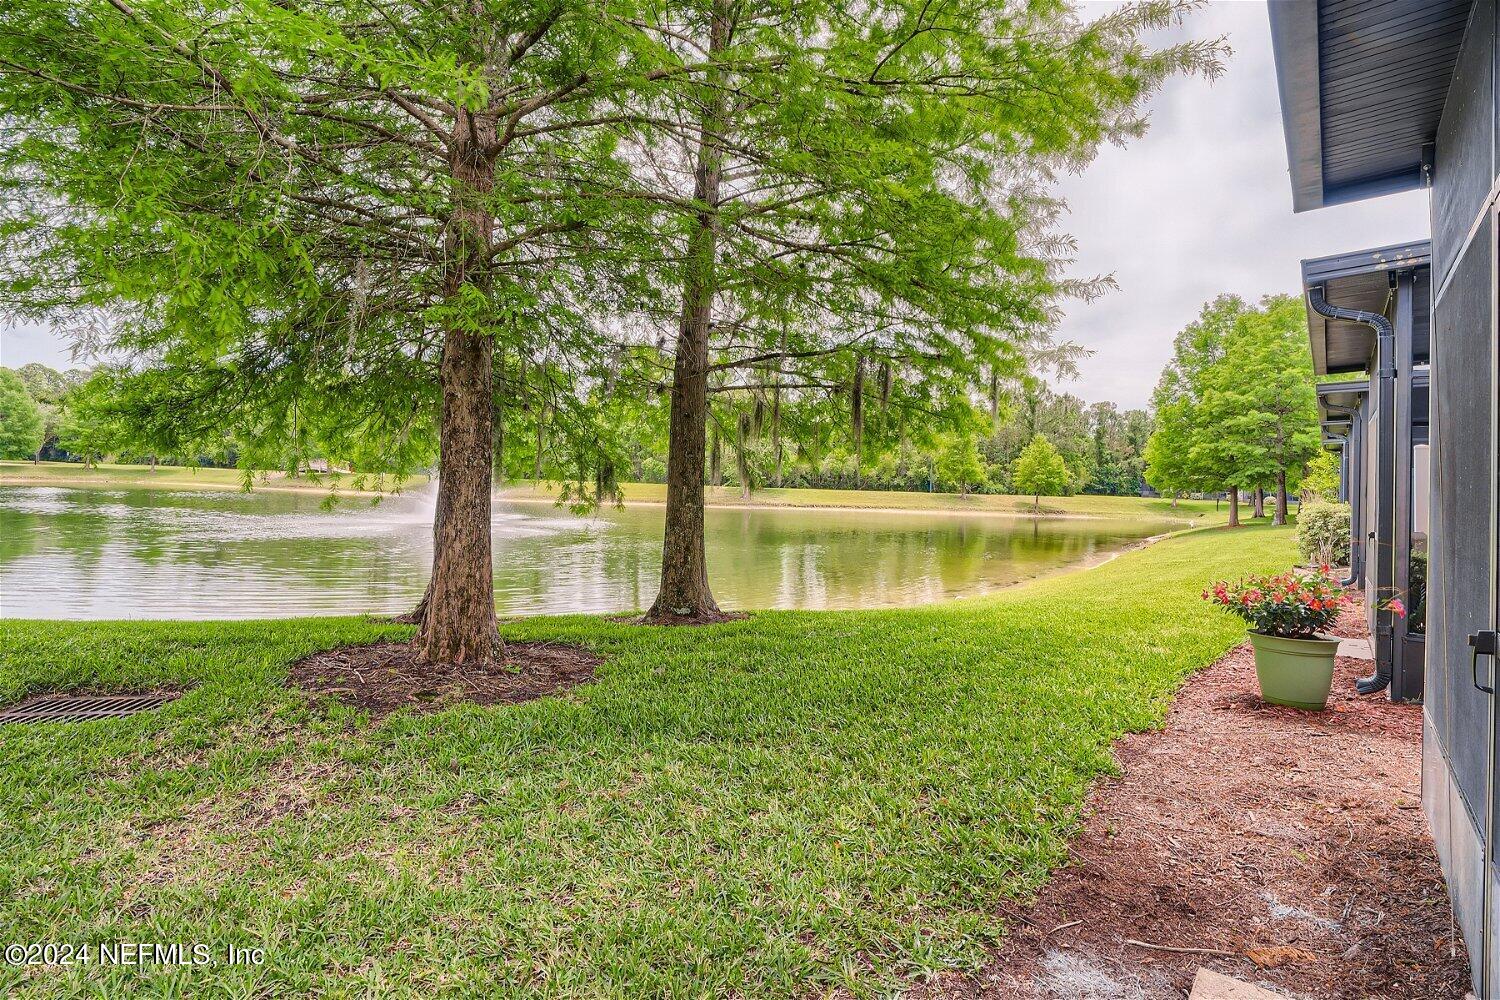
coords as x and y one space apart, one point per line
80 708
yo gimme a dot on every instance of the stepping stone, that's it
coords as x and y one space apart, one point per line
1360 649
1210 985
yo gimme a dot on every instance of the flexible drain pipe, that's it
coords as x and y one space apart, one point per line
1385 363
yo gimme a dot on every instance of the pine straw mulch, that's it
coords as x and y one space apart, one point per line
384 676
1289 847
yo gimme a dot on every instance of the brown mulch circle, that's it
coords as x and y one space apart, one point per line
698 618
384 676
1293 841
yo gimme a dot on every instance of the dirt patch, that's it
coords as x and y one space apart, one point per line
385 676
1293 841
697 618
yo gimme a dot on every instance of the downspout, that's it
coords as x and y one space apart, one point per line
1385 398
1347 459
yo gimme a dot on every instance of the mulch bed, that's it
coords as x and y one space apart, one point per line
697 618
1292 838
385 676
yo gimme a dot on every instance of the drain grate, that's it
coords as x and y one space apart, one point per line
81 708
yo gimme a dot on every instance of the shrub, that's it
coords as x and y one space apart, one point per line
1323 533
1293 605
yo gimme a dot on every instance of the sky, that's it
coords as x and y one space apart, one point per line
1200 205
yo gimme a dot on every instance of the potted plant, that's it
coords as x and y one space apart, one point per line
1293 661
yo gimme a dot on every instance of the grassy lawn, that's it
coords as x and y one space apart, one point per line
174 477
975 503
770 807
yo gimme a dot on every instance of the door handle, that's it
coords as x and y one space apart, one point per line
1482 644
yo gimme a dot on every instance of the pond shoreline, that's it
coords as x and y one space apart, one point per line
1045 514
1080 506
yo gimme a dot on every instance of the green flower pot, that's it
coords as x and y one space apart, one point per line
1295 672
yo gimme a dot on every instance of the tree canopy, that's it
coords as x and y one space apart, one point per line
1236 407
1040 470
20 418
393 232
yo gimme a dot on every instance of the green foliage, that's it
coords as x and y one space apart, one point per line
1321 479
1040 470
958 464
264 205
1323 533
677 828
1236 408
20 418
1292 605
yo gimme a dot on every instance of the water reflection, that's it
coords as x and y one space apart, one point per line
154 554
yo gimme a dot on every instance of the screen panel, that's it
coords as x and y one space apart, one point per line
1459 599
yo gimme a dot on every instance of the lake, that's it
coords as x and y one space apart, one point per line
132 553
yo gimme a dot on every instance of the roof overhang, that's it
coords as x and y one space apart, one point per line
1337 402
1362 86
1360 280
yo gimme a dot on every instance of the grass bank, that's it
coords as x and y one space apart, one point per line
169 477
974 503
176 477
771 807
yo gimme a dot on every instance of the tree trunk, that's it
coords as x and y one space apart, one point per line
716 459
497 432
1260 502
541 429
1280 517
1174 499
458 620
458 625
1234 508
684 591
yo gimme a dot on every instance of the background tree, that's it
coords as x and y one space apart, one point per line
958 464
1040 470
1321 479
20 418
1236 407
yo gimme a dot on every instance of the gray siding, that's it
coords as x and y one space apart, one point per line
1465 141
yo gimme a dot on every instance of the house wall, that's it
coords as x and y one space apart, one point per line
1458 728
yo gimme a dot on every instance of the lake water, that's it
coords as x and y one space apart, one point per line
96 553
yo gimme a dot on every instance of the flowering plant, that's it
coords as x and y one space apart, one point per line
1293 605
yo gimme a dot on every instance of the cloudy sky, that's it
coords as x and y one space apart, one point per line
1199 206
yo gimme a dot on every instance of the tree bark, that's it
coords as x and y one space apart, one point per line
458 614
497 433
458 624
1280 517
1260 502
684 591
1234 507
541 429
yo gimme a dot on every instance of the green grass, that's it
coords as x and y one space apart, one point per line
974 503
770 807
174 477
